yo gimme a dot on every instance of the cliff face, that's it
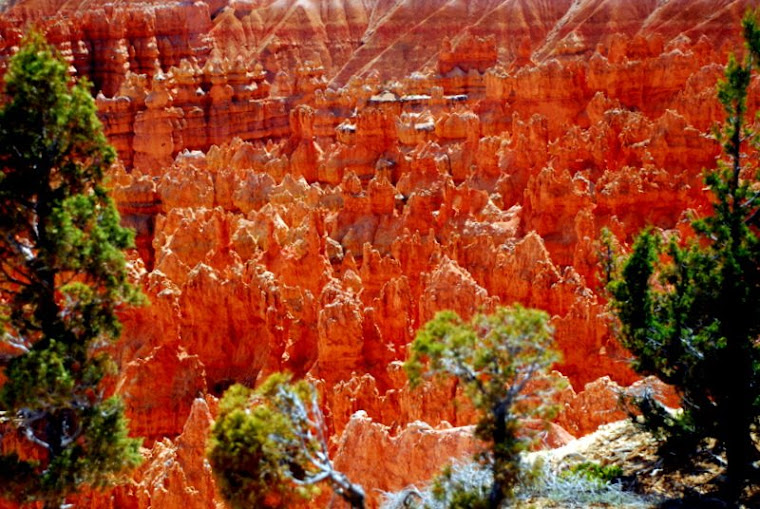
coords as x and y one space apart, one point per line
298 210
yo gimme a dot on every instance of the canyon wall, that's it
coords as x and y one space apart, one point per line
311 181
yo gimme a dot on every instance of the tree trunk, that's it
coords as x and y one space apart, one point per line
737 437
54 434
351 493
735 315
355 497
47 310
500 456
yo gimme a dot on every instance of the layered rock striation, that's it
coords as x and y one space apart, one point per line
312 181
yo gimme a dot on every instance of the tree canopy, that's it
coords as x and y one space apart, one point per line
496 357
268 446
689 310
63 278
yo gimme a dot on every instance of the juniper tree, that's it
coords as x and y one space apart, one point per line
62 280
495 357
268 446
690 311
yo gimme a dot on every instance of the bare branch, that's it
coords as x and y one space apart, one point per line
16 343
29 435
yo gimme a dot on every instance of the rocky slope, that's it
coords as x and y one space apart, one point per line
311 181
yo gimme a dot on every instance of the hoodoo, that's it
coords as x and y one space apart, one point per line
311 181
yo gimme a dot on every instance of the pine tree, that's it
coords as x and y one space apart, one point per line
690 311
62 280
495 357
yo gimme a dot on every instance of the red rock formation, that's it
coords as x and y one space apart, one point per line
158 390
599 403
364 441
176 473
311 181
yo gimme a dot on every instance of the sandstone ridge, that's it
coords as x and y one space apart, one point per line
312 181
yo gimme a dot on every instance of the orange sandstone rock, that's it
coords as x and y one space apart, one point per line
311 181
364 441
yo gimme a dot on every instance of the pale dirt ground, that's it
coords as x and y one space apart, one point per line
624 444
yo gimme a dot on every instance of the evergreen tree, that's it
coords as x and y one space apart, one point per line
690 311
268 447
62 280
495 357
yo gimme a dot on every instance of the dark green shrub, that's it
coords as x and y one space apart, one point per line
689 311
63 280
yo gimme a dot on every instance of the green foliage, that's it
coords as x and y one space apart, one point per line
595 472
689 311
494 357
251 467
453 490
62 280
268 448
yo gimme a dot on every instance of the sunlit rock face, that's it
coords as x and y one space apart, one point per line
312 181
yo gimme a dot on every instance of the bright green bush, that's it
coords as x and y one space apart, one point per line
268 446
594 471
